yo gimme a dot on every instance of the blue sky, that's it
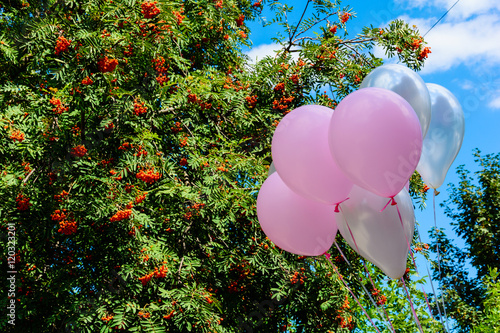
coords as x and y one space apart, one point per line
465 59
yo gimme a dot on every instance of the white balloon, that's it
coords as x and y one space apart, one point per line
407 84
379 236
444 138
272 169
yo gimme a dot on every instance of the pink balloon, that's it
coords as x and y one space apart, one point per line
376 140
302 156
380 237
293 223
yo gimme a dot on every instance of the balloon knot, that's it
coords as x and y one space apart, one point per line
327 255
391 201
337 205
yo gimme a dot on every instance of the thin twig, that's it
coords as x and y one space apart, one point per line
296 27
166 110
180 267
315 23
360 55
28 176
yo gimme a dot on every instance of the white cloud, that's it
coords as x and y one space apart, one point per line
462 10
468 42
261 51
495 103
471 42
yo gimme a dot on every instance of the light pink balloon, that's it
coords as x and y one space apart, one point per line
293 223
302 156
376 140
380 237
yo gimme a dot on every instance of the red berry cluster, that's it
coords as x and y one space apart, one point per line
424 53
279 86
128 188
170 315
17 135
178 16
87 81
183 161
252 101
333 29
144 315
416 43
125 146
23 203
344 322
192 98
141 152
157 273
243 271
281 104
297 278
148 176
62 45
176 128
27 168
140 198
67 227
160 273
239 20
139 107
149 9
59 107
161 70
381 299
121 215
129 51
107 65
61 197
105 162
107 318
345 17
146 278
58 215
79 151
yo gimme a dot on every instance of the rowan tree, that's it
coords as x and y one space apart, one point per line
134 139
474 207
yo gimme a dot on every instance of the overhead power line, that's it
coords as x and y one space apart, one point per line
441 17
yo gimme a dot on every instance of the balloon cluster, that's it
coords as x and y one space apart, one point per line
339 170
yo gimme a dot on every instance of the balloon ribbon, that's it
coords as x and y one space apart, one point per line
411 305
337 205
327 255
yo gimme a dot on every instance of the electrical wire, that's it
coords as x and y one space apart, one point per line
441 18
